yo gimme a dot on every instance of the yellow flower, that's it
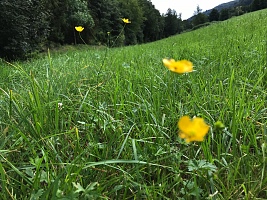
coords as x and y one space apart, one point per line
180 67
192 130
126 21
79 28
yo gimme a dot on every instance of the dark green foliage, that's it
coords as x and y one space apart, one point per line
258 5
224 14
107 18
200 18
201 25
64 15
263 4
78 14
153 24
57 19
133 32
245 2
187 25
14 36
239 10
39 25
24 28
29 26
173 23
214 15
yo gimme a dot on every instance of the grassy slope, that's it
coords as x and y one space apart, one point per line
116 135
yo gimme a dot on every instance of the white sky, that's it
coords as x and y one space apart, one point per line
186 7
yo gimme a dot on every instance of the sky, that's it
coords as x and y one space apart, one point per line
186 7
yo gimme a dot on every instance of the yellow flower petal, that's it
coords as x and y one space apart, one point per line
79 28
126 21
192 130
201 127
180 67
184 124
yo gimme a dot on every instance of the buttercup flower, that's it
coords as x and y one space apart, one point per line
126 21
192 130
180 67
79 28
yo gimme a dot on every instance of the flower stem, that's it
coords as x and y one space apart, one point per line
82 38
118 36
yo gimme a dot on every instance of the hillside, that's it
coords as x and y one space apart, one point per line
92 122
230 4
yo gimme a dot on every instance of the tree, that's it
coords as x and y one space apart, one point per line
214 15
187 24
25 28
199 10
263 4
256 5
153 22
224 14
78 14
107 18
131 9
57 10
239 10
173 23
199 17
64 15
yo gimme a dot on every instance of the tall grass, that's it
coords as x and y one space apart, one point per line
97 123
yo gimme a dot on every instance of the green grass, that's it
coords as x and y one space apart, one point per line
116 135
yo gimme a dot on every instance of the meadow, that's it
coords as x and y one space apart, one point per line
88 122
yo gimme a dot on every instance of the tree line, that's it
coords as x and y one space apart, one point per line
244 6
30 26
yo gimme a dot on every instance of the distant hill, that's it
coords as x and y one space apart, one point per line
230 4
